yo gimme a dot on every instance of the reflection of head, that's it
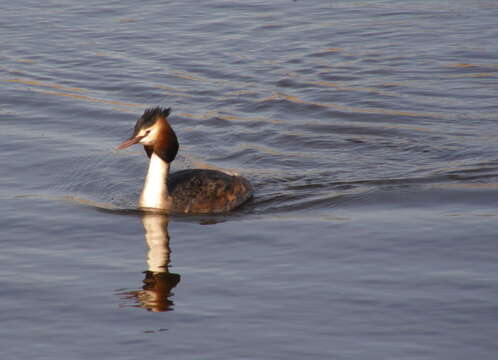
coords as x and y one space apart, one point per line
158 287
156 292
158 281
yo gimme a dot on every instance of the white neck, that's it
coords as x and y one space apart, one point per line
155 192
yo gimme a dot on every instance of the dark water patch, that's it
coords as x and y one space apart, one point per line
327 53
298 142
402 194
284 104
313 192
240 155
440 196
291 83
216 122
342 128
336 77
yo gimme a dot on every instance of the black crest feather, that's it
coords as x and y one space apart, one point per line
149 117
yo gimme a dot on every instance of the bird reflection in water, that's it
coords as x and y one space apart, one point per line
158 283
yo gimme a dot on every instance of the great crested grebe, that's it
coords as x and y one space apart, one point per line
196 191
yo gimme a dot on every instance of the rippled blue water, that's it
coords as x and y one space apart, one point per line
369 130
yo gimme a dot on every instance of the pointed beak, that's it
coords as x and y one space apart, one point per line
130 142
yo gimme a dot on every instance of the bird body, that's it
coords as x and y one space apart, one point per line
196 191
